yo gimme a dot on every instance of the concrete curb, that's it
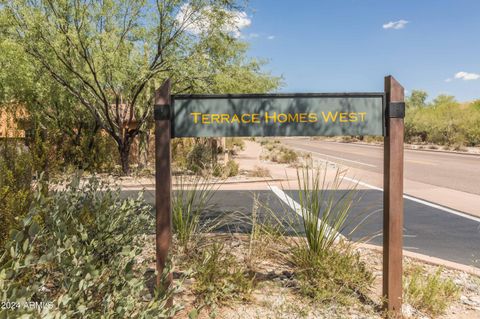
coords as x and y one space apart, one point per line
429 260
151 185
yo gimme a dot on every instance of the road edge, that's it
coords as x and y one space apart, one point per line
472 270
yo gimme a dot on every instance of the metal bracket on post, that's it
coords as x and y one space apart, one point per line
161 112
395 110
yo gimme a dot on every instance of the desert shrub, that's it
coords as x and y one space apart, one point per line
181 147
219 277
82 259
232 168
444 122
228 170
199 158
15 186
287 156
235 143
429 292
279 154
334 275
260 171
92 152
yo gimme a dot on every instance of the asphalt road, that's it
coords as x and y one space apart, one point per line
427 230
454 171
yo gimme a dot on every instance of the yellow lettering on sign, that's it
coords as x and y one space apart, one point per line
216 118
343 117
282 117
195 117
293 117
246 118
329 117
206 118
235 119
352 117
274 117
271 117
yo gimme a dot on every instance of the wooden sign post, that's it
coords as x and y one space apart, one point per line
393 196
163 181
323 114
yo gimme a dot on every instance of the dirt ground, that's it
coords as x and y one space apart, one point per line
276 295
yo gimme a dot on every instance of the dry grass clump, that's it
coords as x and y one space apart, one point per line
429 293
259 171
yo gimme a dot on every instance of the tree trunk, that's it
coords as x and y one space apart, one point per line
124 150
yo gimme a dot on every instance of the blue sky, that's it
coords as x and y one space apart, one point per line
342 45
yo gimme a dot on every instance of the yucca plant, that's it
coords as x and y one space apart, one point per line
190 201
326 266
324 205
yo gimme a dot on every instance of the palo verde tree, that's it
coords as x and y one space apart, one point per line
110 55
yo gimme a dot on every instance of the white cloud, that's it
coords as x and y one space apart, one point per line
396 25
467 76
448 80
271 37
197 22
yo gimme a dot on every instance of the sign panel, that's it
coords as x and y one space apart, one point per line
278 115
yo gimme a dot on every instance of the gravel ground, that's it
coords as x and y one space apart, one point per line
275 295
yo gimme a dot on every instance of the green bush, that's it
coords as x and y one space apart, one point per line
15 186
429 292
279 154
219 277
334 275
444 122
234 143
230 169
199 158
82 259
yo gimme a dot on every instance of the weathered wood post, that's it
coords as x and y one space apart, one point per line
163 180
393 197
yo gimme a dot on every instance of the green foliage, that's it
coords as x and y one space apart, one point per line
277 153
199 158
191 199
418 98
106 58
15 186
429 292
444 122
331 276
219 277
228 170
235 143
476 105
82 258
232 168
181 147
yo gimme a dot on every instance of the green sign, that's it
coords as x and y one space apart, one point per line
278 115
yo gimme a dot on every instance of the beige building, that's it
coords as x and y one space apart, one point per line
12 122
